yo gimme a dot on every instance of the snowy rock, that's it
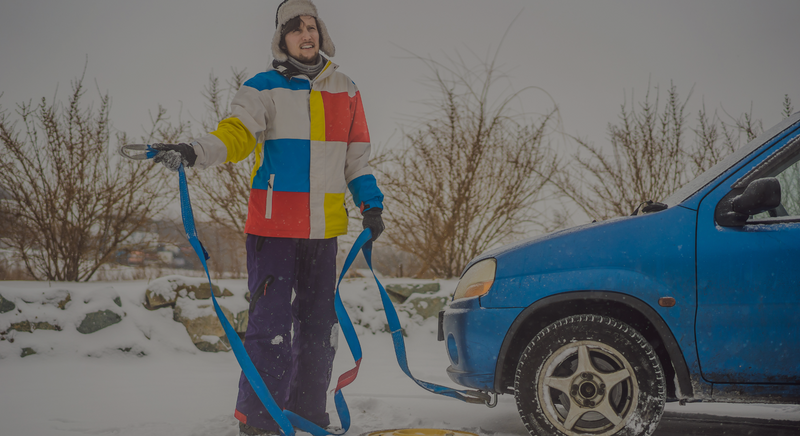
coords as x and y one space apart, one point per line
99 320
26 316
30 327
6 306
424 306
46 318
399 293
189 297
202 324
22 326
423 302
240 322
417 298
43 325
203 292
60 299
166 290
101 309
153 301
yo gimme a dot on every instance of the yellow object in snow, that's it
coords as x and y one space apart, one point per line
420 432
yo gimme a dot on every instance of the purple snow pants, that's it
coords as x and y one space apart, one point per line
290 338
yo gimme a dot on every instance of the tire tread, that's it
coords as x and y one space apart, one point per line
613 323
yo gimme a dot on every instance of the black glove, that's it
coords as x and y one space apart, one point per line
372 220
173 155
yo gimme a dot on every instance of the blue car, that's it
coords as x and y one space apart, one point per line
695 298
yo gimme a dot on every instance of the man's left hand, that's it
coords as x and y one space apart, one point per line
373 221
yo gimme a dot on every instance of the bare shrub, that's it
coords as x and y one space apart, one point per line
10 270
788 108
649 155
72 202
228 255
224 190
468 177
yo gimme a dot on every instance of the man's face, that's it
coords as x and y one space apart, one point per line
303 42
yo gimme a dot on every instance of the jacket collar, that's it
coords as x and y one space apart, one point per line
289 71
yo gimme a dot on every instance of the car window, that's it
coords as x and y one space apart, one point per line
790 189
788 174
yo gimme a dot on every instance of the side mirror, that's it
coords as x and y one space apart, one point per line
759 196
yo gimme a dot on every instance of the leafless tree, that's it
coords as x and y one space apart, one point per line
649 155
73 202
468 177
788 108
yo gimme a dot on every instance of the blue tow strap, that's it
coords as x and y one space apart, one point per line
286 419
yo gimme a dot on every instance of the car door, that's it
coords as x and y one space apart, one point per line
748 277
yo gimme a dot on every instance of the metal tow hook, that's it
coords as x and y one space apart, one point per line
493 402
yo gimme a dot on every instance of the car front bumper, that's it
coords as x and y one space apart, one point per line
473 336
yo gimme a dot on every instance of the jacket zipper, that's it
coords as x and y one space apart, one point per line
270 189
308 97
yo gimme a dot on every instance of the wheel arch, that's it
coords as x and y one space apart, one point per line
623 307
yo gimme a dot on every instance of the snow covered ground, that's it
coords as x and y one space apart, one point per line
80 384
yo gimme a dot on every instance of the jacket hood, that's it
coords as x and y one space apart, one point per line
294 8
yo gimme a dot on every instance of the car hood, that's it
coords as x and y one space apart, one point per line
653 251
534 242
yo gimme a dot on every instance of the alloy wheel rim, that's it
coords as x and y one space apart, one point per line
588 388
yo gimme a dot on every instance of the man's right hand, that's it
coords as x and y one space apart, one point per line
372 220
173 155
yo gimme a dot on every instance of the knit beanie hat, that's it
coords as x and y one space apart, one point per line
289 9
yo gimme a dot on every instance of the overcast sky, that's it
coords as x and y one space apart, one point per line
584 54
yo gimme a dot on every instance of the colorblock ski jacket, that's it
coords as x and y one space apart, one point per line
311 143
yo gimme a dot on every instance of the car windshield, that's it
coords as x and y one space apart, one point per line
704 179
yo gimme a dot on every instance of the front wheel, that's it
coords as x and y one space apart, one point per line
589 374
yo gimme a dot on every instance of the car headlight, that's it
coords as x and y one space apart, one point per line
477 280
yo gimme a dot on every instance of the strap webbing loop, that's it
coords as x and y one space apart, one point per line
286 419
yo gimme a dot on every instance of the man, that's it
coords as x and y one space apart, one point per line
305 123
